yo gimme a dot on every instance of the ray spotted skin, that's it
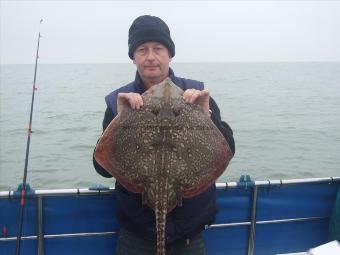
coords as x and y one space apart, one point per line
166 150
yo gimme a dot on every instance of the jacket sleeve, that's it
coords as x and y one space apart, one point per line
108 117
221 125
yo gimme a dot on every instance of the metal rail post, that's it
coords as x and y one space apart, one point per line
40 214
251 241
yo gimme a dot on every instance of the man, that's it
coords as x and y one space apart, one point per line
151 49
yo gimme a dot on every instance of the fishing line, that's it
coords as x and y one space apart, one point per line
23 188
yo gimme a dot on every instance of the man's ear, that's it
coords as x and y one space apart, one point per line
133 61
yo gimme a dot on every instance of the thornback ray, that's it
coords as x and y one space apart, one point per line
167 150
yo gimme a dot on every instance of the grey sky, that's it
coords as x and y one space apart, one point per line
96 31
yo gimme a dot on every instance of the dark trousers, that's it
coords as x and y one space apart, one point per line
130 244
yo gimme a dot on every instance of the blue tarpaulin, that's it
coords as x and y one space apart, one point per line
287 218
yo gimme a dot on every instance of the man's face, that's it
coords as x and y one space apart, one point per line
152 60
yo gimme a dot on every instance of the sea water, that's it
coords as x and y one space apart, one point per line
285 118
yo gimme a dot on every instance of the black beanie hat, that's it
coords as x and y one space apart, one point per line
149 28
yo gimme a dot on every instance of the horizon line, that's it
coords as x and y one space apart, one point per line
184 62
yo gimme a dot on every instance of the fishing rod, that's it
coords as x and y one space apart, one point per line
23 188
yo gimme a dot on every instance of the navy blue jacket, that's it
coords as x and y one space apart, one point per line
196 212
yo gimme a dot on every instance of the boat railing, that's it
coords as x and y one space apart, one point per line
102 190
244 183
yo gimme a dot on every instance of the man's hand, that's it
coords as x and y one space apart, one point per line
132 100
200 97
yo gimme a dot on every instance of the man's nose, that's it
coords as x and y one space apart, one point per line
150 54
